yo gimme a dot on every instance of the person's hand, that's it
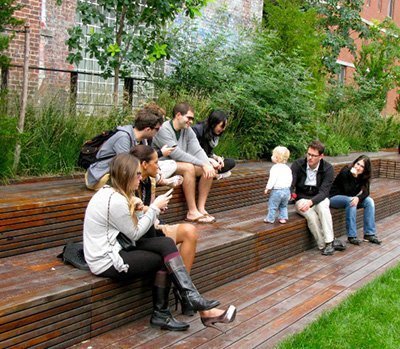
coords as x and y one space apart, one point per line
265 191
208 171
161 201
220 160
214 163
304 205
139 206
354 201
166 151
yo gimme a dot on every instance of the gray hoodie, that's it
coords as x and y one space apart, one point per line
188 147
121 142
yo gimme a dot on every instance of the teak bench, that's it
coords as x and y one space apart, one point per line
46 304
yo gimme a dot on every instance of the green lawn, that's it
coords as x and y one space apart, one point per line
370 318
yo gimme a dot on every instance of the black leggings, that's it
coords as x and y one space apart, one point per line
146 258
229 164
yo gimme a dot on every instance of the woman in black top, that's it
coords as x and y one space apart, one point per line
350 190
208 133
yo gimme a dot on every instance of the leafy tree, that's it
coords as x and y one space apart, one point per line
136 36
339 19
298 34
7 21
377 65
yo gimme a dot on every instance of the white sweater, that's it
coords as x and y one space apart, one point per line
102 251
280 177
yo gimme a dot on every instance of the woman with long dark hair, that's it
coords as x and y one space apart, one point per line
184 234
208 133
350 190
112 211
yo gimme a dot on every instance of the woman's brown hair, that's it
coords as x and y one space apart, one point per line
123 172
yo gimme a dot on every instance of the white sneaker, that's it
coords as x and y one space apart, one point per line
174 181
224 175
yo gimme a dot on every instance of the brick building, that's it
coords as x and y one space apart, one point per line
48 24
373 10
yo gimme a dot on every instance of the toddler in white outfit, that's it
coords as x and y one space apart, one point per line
279 182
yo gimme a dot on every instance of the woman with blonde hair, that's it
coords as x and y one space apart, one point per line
112 212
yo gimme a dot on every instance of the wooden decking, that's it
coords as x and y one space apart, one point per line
46 304
272 302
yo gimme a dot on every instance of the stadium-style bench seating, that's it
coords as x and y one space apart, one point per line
45 303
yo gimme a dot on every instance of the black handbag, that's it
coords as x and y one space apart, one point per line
73 254
125 242
122 239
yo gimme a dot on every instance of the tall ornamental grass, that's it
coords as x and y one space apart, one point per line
51 139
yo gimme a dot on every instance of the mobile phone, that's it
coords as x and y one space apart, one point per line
169 192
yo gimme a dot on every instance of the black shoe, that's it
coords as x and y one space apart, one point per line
373 239
162 316
339 245
165 321
328 250
354 241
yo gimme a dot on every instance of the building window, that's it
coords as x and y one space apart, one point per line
342 75
391 8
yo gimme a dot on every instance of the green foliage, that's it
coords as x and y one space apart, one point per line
52 138
269 94
137 36
377 66
297 32
7 20
366 319
340 19
355 123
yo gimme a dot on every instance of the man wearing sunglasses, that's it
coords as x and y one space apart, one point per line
312 180
191 159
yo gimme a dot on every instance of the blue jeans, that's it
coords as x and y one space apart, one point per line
278 199
343 201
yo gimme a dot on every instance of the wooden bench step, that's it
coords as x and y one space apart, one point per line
45 214
46 303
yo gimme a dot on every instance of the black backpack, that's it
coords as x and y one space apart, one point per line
89 150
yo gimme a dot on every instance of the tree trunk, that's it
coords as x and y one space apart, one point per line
116 87
24 98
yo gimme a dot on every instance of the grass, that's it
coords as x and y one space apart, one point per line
52 138
367 319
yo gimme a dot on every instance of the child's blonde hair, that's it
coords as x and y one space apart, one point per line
281 154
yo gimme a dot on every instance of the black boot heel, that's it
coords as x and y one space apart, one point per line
185 306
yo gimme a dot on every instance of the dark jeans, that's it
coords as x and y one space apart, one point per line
145 259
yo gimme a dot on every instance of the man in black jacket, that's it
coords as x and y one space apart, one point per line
312 180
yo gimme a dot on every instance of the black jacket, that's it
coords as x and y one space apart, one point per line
200 131
325 176
346 184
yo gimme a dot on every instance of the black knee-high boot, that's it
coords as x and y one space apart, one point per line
162 316
183 282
